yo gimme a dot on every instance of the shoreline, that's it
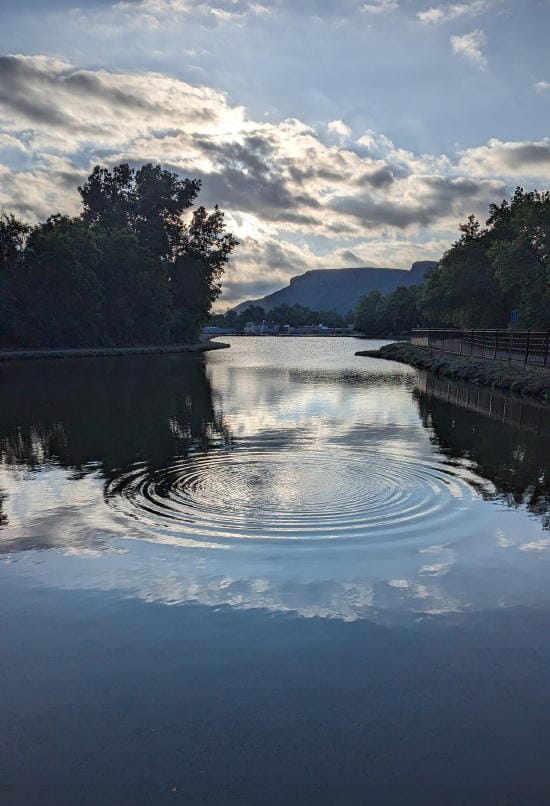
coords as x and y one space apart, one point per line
105 352
518 378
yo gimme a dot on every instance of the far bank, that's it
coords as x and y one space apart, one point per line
99 352
523 380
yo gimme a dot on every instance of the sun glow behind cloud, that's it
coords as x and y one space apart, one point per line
300 190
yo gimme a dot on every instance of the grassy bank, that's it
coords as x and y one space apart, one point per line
97 352
524 380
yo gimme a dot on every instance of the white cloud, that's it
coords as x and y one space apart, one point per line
470 47
339 128
542 86
510 160
380 7
233 11
453 11
295 201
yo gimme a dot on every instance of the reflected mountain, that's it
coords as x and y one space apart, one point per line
506 437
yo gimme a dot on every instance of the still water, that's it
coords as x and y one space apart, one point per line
274 574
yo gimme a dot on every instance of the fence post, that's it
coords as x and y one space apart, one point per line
461 340
527 347
546 348
482 343
510 347
496 343
471 341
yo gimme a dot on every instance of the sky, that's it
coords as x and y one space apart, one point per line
331 132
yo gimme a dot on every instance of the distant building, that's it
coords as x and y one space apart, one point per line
314 330
262 329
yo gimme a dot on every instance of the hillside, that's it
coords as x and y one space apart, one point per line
339 289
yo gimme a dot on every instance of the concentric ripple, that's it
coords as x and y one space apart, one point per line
264 493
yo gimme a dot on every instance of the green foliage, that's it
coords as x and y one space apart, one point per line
494 269
486 274
13 234
390 315
202 252
57 286
129 271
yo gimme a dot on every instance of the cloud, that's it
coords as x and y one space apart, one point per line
211 11
542 86
453 11
469 46
380 7
510 160
295 200
339 128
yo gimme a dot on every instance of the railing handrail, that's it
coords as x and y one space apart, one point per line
528 346
475 330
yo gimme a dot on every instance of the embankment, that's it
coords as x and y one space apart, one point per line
97 352
518 378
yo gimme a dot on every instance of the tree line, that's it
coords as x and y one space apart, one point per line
293 315
131 269
488 273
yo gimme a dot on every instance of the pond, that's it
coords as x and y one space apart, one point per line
278 573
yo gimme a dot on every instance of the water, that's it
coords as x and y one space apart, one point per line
279 573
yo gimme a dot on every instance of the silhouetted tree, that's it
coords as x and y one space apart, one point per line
130 270
13 234
369 314
57 286
493 269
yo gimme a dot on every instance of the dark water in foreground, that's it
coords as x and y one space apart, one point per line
280 574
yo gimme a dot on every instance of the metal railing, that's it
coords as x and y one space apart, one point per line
524 346
520 412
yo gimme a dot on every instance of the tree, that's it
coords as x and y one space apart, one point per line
136 301
57 288
150 202
461 291
369 314
203 249
401 312
13 235
520 254
493 269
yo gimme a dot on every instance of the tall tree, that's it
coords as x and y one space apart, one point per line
57 287
150 201
203 249
13 235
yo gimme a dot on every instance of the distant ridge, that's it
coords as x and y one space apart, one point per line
339 289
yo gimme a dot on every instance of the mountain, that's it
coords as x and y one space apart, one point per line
339 289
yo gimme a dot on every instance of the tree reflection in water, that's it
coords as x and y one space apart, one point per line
507 438
106 414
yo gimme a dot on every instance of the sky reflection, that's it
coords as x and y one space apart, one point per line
322 495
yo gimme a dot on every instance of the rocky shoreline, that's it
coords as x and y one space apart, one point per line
518 378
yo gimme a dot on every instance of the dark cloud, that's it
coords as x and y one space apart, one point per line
373 214
350 258
252 179
435 198
380 178
519 155
56 95
278 257
27 90
90 85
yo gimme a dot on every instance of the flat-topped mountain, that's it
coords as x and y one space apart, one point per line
339 289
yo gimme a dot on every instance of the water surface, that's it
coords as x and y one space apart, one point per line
277 573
